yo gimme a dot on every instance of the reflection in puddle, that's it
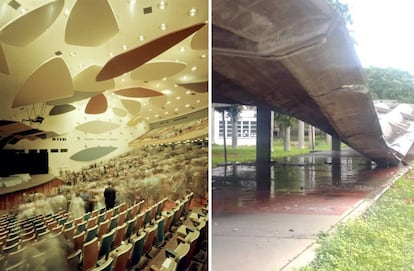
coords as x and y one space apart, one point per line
328 173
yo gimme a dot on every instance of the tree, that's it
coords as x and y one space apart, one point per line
390 84
233 112
284 122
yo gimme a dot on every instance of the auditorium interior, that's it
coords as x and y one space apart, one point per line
102 93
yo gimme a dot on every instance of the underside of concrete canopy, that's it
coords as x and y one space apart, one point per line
297 58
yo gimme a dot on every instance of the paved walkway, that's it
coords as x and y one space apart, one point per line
280 233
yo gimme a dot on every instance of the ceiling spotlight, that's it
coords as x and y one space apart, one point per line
182 49
178 98
163 27
125 47
194 68
166 91
141 38
203 56
162 5
192 12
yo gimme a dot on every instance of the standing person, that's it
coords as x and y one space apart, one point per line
110 195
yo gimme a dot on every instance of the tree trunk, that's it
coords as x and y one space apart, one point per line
286 138
234 133
224 137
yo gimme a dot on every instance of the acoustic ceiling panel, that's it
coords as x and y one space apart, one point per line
39 88
97 127
200 39
134 58
85 81
119 112
132 107
138 92
90 23
77 96
4 67
61 109
97 105
198 87
91 154
30 25
163 69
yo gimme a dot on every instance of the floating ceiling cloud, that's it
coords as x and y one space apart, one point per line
39 87
134 58
138 92
85 81
91 154
119 112
30 25
4 68
198 87
97 105
97 127
132 107
200 39
157 70
77 96
61 109
90 23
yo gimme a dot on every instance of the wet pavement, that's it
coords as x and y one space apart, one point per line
265 217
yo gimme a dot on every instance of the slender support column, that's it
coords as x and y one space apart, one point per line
336 144
263 148
301 134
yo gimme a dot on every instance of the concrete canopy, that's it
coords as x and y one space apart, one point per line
297 58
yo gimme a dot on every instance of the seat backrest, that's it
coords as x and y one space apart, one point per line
122 217
151 234
91 233
160 231
120 235
105 266
78 240
90 254
139 224
92 221
130 227
106 243
147 216
74 259
121 256
68 233
103 228
81 227
181 252
168 221
137 242
113 222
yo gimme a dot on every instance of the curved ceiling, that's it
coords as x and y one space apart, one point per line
53 51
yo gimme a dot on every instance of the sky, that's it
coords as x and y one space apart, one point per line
384 32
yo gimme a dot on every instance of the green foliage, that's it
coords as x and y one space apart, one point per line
390 84
342 9
379 240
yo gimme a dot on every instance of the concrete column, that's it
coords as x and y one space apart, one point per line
263 147
272 127
301 134
311 136
328 139
336 144
263 142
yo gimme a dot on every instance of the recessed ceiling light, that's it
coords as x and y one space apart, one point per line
124 46
166 112
198 101
23 10
164 78
187 105
168 102
194 68
147 118
178 97
203 56
176 109
156 115
163 27
192 12
188 92
141 37
67 12
182 49
72 54
150 110
166 91
162 5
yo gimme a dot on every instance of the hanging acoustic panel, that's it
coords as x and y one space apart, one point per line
134 58
97 105
91 154
137 92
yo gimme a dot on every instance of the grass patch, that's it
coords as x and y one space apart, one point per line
248 153
381 239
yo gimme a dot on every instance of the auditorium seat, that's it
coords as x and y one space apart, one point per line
15 256
101 217
19 266
113 222
92 222
90 251
119 235
168 265
121 255
81 227
137 242
78 240
130 227
109 213
122 217
91 233
179 254
147 215
160 232
106 243
168 220
74 259
69 233
151 236
104 266
103 228
140 222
